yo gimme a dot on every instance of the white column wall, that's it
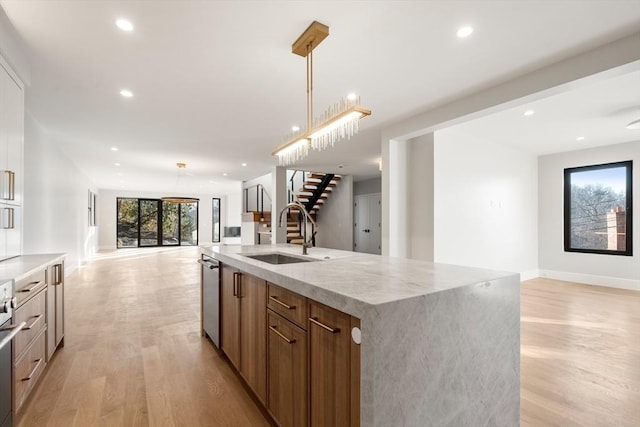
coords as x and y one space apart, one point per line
279 194
486 204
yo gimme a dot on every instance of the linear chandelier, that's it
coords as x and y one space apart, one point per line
339 121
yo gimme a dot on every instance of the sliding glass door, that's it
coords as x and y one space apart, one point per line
152 222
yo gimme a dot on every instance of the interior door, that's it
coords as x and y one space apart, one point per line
367 219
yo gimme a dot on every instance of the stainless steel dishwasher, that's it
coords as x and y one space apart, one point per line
210 283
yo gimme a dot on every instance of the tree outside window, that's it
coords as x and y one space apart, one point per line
597 209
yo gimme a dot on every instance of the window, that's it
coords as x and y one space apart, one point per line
597 209
152 222
215 216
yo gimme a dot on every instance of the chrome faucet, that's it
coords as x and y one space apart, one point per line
307 217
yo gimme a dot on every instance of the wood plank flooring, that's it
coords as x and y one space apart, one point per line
133 353
134 356
580 355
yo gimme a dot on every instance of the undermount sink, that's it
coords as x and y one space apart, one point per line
278 258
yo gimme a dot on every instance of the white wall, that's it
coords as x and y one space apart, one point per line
55 208
611 270
335 217
486 198
420 185
368 186
230 214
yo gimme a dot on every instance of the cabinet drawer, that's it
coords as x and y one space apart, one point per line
26 288
33 314
290 305
28 368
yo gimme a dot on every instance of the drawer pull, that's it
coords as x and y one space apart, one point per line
35 369
273 328
36 320
322 325
287 306
33 286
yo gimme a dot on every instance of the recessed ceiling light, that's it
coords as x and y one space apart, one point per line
126 93
124 24
352 97
244 164
295 128
529 113
224 174
116 164
114 148
464 32
580 138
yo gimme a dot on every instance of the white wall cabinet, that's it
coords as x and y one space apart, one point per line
367 211
11 161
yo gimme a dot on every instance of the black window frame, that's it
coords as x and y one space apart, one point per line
159 241
213 219
628 164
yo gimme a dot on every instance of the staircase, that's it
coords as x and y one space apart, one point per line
315 190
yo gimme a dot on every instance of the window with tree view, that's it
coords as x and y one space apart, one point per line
597 209
154 222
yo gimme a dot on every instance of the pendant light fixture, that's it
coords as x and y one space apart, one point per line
179 199
339 121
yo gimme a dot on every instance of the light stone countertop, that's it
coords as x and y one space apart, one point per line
350 281
20 267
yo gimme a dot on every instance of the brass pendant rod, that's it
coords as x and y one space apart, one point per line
309 86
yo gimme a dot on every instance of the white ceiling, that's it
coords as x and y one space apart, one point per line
215 83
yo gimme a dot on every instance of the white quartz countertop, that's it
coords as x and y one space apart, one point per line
350 281
20 267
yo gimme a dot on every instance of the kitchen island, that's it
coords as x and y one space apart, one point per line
440 344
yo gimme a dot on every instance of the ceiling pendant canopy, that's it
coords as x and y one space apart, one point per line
339 121
179 199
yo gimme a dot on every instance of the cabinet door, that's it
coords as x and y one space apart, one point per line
287 362
230 314
329 336
11 130
253 333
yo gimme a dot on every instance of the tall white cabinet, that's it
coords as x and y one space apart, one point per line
11 161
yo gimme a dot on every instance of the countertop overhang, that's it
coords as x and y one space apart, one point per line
350 281
22 266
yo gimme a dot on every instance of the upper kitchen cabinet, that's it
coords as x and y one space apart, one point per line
11 136
11 161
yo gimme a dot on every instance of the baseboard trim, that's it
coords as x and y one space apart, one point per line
531 274
592 279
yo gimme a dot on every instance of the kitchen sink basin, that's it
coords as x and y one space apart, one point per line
278 258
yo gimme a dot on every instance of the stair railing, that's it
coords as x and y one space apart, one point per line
261 192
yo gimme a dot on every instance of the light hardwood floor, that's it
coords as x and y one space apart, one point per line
133 352
580 355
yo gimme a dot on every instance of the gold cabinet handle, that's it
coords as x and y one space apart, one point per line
36 320
9 185
33 286
287 306
35 369
57 269
236 283
273 328
314 320
9 214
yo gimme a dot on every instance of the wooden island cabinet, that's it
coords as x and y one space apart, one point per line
297 355
243 326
